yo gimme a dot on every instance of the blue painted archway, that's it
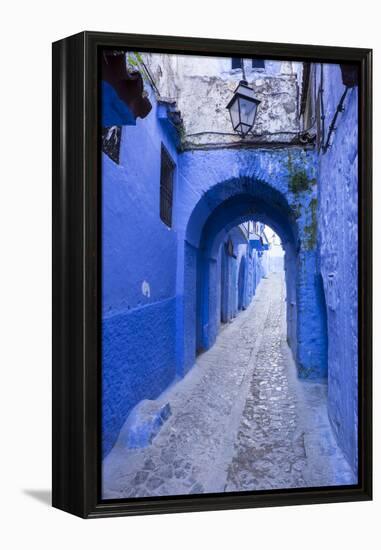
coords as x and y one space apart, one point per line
221 208
235 201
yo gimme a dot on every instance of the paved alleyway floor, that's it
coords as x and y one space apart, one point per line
241 420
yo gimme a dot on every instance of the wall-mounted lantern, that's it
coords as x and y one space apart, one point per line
243 108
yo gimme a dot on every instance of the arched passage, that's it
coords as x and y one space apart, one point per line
230 213
221 208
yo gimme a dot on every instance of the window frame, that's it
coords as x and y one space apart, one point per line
255 68
167 186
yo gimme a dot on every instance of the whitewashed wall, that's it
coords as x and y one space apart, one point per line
203 86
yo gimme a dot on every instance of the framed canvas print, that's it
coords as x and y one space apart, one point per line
211 274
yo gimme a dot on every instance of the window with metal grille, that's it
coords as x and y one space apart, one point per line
257 63
166 186
236 63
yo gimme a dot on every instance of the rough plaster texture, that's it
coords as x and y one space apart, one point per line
203 86
338 242
138 361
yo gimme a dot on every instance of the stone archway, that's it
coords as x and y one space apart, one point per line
250 199
221 208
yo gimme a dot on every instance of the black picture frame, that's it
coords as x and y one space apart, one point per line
76 275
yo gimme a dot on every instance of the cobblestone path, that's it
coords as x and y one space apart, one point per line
241 420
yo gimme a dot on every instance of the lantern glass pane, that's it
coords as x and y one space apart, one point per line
234 113
248 109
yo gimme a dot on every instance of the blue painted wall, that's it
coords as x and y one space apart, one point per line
139 255
138 361
234 278
338 242
114 111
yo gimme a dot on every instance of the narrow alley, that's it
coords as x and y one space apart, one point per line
240 419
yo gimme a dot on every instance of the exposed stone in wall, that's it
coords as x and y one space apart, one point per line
207 113
164 70
203 86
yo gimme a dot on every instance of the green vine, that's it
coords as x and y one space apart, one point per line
310 231
298 178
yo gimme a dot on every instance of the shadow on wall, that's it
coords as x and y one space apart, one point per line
242 283
322 305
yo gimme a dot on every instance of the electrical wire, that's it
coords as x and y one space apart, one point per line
339 109
322 115
242 144
263 134
150 77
